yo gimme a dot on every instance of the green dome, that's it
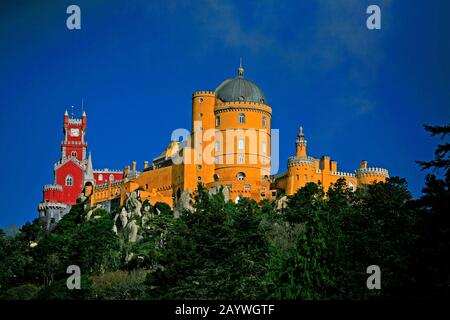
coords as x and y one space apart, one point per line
240 89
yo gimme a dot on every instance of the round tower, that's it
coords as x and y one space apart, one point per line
367 175
242 149
301 168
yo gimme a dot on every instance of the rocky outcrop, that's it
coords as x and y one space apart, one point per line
184 203
281 204
128 220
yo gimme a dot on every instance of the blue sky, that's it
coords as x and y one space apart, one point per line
359 94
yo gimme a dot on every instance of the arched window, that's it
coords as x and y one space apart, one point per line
216 177
266 178
217 121
264 121
100 177
73 154
111 177
241 117
69 180
240 176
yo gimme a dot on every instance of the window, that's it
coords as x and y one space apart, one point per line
199 167
100 177
199 178
241 144
247 187
263 189
241 158
73 154
241 118
217 146
240 176
216 177
266 178
264 147
217 121
111 177
69 180
264 121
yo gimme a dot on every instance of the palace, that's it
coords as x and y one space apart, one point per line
229 147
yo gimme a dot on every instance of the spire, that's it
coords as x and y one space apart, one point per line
66 113
72 111
240 69
89 171
300 133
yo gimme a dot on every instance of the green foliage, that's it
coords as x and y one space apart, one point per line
119 285
22 292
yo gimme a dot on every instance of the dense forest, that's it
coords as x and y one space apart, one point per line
317 246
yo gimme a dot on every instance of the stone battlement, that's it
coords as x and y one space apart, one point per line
372 172
203 93
51 205
52 187
75 121
106 170
293 161
343 174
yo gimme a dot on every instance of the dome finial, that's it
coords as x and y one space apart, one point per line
301 136
240 69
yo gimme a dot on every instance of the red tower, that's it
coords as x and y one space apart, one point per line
72 172
69 169
68 172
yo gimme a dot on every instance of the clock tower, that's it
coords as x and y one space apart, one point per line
68 172
74 145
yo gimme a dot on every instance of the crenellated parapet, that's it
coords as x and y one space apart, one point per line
75 121
343 174
367 172
306 161
106 170
203 93
51 205
52 187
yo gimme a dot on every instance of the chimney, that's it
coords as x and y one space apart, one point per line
133 165
145 164
126 170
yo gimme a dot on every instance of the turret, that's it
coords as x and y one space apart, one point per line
83 121
367 175
301 145
66 120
